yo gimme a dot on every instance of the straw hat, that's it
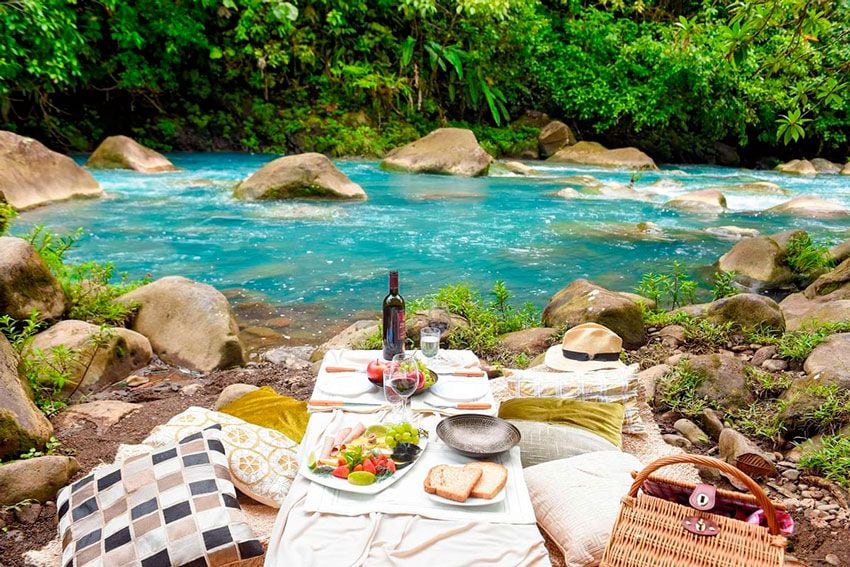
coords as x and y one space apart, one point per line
586 347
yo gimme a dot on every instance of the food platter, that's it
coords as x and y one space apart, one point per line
373 443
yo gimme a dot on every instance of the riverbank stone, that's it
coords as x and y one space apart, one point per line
39 478
584 302
758 264
22 425
102 357
437 317
800 402
447 151
352 336
706 201
809 206
826 300
32 175
554 136
797 167
26 283
830 361
530 342
593 153
722 380
123 152
822 165
187 323
747 311
300 176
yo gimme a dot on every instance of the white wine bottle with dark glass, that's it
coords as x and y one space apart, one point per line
393 312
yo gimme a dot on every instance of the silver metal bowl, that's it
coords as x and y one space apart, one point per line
478 436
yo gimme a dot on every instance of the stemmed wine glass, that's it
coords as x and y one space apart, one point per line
401 379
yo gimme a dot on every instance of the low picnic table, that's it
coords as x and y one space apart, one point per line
401 525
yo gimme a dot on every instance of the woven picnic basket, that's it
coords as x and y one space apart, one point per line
656 526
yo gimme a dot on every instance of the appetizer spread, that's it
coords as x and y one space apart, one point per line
480 479
365 455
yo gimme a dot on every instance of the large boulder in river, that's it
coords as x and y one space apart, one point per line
593 153
300 176
707 201
583 302
26 282
825 166
103 356
22 425
758 263
35 479
809 206
121 152
846 169
553 137
798 167
747 311
31 175
187 323
448 151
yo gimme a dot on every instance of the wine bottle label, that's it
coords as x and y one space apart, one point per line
402 331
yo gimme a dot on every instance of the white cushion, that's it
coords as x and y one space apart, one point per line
576 501
543 442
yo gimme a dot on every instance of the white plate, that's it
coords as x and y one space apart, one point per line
460 389
347 384
374 488
471 501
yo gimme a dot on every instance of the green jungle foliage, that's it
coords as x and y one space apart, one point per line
358 77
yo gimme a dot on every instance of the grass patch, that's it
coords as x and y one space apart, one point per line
678 388
7 213
805 257
831 461
761 419
833 411
798 345
699 332
765 385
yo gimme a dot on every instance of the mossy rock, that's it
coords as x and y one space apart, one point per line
724 381
806 404
26 282
300 176
747 311
22 425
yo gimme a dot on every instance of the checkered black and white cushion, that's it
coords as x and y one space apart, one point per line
175 506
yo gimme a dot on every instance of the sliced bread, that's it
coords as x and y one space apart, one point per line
453 483
493 479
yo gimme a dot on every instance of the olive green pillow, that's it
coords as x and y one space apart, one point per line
267 408
605 420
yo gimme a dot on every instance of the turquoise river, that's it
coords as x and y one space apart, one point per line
433 229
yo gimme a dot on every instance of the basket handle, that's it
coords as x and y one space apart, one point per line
752 486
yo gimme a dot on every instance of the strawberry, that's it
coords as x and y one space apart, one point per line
341 471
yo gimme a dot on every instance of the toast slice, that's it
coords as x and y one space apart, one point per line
453 483
493 479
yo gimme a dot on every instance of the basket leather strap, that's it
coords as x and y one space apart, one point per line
703 497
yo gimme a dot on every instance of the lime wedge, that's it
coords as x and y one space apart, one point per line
311 460
361 478
377 429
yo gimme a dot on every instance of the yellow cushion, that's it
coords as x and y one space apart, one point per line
606 420
267 408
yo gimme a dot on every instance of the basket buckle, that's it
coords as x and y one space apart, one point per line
701 526
703 497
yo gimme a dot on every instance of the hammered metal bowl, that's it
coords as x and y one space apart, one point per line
478 436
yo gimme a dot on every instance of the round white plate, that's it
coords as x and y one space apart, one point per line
347 385
470 502
460 389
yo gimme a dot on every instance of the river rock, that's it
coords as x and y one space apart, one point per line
797 166
765 187
840 252
732 445
712 423
300 176
187 323
809 206
747 311
122 152
583 302
825 300
825 166
452 151
648 379
762 354
731 232
26 283
103 414
799 403
830 361
726 154
233 393
351 337
758 264
102 358
38 479
517 168
22 425
437 317
846 169
707 201
676 440
553 137
569 193
580 180
31 175
832 285
593 153
691 431
531 341
531 119
723 379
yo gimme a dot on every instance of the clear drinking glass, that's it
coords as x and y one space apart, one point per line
401 379
429 341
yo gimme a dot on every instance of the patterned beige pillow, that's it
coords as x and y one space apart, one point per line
543 442
576 501
607 386
263 462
